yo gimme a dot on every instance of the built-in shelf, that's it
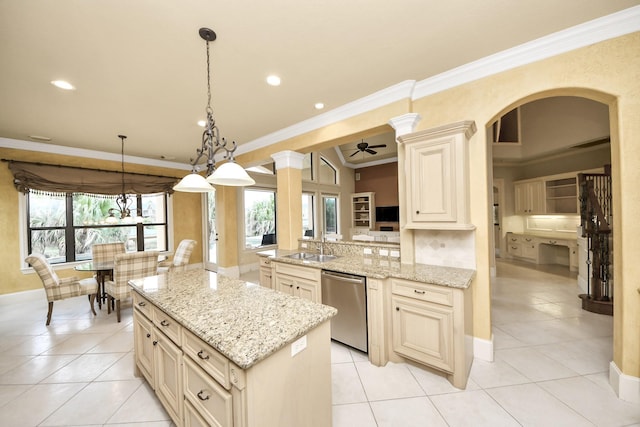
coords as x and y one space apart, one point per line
363 211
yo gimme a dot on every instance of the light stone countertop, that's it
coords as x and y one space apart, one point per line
243 321
381 268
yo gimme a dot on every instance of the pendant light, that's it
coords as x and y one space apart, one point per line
123 211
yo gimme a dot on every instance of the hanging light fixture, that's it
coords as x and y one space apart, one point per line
229 173
123 211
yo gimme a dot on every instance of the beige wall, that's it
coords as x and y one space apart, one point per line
186 213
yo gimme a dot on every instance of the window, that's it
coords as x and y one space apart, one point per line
63 226
328 173
307 167
259 218
308 217
330 212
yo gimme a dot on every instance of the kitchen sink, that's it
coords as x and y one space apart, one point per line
306 256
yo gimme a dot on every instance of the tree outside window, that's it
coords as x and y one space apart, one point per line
259 217
330 214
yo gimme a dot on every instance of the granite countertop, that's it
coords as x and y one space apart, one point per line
243 321
382 268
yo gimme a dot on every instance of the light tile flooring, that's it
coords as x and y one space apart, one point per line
551 369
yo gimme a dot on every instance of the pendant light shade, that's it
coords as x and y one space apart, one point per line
231 174
193 183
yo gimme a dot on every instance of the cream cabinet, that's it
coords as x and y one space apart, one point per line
529 197
158 355
265 272
437 183
432 325
297 280
363 211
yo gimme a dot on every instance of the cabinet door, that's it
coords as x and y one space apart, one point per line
265 277
521 198
168 372
431 194
284 283
143 342
307 289
537 197
530 250
423 331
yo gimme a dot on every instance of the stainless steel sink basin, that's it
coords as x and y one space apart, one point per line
306 256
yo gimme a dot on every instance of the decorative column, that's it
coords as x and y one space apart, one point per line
289 198
404 125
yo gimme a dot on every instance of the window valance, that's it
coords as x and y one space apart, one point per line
68 179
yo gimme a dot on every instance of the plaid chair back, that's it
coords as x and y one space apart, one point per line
129 266
43 268
56 288
183 253
101 252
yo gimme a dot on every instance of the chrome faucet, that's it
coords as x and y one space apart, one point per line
322 240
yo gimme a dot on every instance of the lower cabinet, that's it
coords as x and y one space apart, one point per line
265 272
299 281
433 325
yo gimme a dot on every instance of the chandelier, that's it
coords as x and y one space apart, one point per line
229 173
123 211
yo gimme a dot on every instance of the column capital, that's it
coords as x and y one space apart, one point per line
405 123
288 159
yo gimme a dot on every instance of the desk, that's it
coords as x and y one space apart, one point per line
102 270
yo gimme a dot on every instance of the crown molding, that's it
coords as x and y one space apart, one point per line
607 27
88 154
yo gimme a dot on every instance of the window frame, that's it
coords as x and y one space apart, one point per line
70 229
243 231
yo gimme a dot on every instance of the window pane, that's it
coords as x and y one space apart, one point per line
328 174
307 214
153 210
90 210
307 167
49 243
259 217
330 214
46 210
154 238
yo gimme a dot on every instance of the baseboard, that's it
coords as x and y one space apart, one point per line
483 349
626 387
24 296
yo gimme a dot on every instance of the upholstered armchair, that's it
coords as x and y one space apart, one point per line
180 258
129 266
106 252
59 289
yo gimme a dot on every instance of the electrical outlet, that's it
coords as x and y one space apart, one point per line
395 254
304 245
368 251
298 345
384 252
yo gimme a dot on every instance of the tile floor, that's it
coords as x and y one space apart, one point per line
551 369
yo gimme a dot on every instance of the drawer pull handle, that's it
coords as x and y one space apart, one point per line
202 396
155 343
203 356
142 304
419 292
397 308
164 323
148 335
418 212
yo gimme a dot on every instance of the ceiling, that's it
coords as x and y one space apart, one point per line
139 67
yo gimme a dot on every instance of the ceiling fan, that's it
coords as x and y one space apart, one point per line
365 147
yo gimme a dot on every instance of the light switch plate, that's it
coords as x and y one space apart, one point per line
395 254
367 251
304 245
298 345
384 252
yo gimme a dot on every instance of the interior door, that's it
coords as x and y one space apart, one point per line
210 232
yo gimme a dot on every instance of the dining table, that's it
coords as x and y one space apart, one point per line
102 269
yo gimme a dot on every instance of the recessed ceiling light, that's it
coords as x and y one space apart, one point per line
39 138
273 80
202 123
62 84
319 105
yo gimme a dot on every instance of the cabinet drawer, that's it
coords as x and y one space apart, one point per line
207 358
212 402
142 304
297 271
514 249
265 261
422 291
191 416
513 238
167 325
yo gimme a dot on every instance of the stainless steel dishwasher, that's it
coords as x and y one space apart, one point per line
347 293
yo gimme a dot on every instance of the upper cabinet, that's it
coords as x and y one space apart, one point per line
529 197
437 186
555 194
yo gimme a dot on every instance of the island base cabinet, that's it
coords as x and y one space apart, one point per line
423 332
192 418
168 365
143 345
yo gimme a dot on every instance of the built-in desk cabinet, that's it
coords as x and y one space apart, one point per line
540 250
437 185
529 197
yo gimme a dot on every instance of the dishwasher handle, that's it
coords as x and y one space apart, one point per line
343 277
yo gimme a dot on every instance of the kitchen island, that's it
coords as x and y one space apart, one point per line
221 351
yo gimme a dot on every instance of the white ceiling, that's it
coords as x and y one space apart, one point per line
139 66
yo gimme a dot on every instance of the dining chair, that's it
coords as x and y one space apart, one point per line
129 266
59 289
180 258
106 252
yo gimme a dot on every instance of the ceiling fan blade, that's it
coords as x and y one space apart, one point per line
354 153
370 151
378 146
